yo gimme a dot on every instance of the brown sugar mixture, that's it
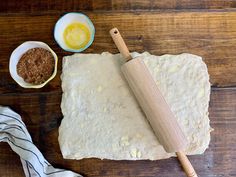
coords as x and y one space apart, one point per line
36 65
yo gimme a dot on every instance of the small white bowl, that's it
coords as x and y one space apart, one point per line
66 20
17 54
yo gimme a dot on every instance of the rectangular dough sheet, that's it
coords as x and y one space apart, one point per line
103 120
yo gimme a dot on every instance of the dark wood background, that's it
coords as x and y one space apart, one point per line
203 27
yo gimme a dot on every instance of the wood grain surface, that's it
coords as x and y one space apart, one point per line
212 36
43 119
42 6
206 28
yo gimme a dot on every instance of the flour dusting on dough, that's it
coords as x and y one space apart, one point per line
102 118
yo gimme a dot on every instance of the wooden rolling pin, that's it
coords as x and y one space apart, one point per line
157 111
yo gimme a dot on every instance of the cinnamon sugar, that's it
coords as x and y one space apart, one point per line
36 65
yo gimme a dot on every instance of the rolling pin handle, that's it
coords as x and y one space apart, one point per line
118 40
187 166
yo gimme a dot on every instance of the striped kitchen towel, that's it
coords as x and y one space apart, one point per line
14 132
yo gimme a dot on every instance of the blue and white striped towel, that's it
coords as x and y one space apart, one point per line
14 132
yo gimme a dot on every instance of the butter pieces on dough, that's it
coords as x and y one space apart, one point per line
102 118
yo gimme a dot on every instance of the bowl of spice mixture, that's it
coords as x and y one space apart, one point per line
33 64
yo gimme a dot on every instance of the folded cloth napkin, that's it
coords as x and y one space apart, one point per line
14 132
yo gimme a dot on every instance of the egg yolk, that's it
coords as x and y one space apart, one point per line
76 35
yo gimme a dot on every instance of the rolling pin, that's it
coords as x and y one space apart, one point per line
153 104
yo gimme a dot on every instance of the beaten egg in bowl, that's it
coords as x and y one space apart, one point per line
74 32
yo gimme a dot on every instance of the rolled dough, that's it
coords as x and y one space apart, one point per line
102 118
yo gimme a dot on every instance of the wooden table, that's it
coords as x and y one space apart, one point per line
206 28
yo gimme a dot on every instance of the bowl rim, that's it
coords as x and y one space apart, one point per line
32 85
92 34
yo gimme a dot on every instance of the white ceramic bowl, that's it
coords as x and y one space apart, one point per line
17 54
67 19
